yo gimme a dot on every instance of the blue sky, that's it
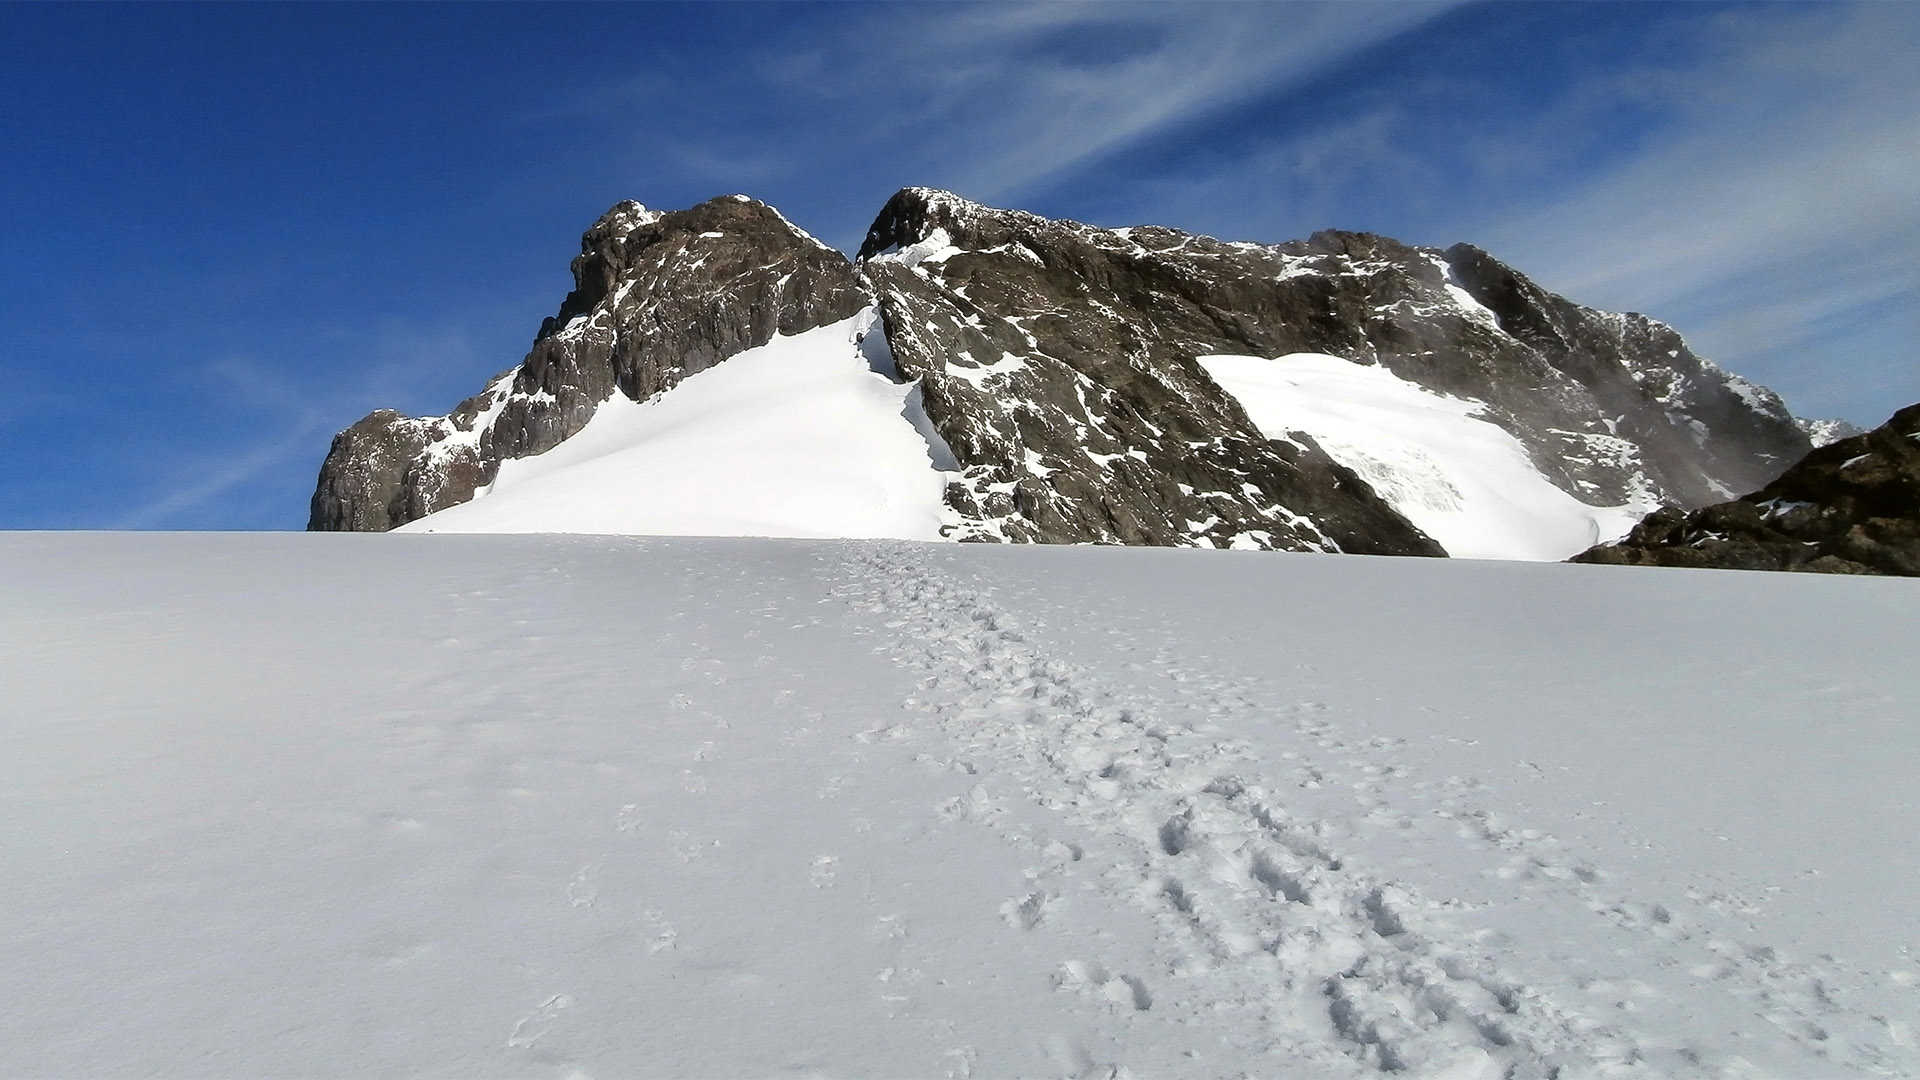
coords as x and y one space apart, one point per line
233 230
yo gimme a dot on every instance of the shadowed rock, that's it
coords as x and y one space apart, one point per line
656 297
1850 507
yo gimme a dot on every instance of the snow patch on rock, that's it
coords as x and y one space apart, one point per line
1465 482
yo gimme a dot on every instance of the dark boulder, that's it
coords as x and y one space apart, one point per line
1850 507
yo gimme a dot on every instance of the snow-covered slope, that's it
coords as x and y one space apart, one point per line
1056 365
799 437
656 297
1824 432
1464 481
474 806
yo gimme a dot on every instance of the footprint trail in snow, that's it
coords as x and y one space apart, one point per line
1295 934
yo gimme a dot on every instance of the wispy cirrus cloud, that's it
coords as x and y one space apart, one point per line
1778 197
830 112
995 100
277 420
196 483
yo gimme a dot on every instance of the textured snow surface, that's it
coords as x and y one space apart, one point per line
799 437
1823 432
475 806
1464 481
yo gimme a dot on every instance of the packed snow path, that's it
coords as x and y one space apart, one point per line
1318 956
603 807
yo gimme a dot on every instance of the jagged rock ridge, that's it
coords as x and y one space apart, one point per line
1057 361
656 297
1076 410
995 307
1849 507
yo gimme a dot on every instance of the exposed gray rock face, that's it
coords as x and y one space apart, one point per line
1850 507
364 484
1696 432
1057 363
1059 354
656 297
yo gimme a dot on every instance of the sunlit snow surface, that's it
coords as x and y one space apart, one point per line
799 437
1464 481
811 436
478 806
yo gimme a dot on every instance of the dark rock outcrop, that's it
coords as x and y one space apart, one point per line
1058 358
656 297
1850 507
364 484
1060 367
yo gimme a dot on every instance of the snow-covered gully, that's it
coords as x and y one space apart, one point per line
1269 933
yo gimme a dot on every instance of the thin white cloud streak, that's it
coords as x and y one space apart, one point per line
1783 194
294 419
1285 188
1685 218
261 392
1786 307
1005 103
247 383
194 487
992 100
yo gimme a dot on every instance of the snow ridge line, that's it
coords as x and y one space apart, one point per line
1318 963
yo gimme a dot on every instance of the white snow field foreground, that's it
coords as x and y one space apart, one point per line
538 806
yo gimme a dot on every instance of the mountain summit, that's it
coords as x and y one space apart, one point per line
656 297
986 374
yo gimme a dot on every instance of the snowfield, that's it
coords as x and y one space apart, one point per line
589 806
1464 481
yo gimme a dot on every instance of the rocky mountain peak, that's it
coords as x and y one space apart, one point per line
1822 432
913 214
1070 373
1613 409
1059 361
603 254
620 219
657 297
1357 245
